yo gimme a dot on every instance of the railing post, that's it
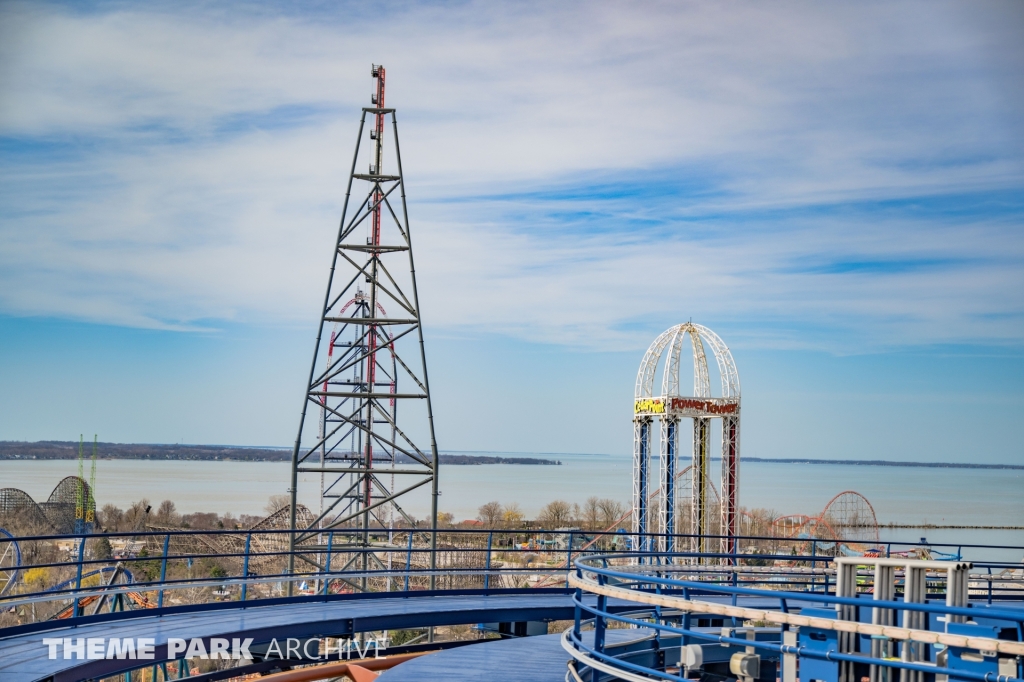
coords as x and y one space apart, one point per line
788 658
577 611
734 600
990 585
814 564
408 562
599 624
78 575
433 567
487 562
686 617
568 559
245 568
163 572
658 619
327 565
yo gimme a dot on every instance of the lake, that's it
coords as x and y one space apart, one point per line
904 495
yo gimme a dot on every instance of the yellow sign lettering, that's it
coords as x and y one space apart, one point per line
649 406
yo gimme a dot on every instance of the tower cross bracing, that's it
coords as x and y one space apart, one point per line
368 387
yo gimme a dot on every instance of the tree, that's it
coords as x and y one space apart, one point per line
611 512
137 515
277 502
110 518
146 570
37 578
512 515
201 520
556 514
591 515
490 514
445 519
167 514
101 549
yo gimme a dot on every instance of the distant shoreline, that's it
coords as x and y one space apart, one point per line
63 450
68 450
884 463
930 526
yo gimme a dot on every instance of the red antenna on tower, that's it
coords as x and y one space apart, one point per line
376 169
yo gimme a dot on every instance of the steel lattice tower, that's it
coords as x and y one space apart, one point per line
367 365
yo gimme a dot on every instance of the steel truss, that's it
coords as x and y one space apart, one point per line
364 457
670 408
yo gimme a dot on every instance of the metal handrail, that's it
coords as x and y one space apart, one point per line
642 575
645 583
812 578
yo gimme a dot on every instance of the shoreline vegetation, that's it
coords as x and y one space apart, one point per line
57 450
594 515
62 450
883 463
930 526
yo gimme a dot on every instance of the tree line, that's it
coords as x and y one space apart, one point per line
596 514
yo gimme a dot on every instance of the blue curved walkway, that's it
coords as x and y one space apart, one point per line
538 659
23 656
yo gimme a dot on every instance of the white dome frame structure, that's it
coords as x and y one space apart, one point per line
669 407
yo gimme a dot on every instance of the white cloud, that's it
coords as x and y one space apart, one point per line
175 167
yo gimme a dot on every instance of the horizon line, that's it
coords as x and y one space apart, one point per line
771 460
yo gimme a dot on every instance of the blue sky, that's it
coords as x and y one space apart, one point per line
837 190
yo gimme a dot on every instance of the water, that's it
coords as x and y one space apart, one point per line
898 494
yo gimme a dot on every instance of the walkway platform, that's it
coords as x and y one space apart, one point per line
538 659
23 657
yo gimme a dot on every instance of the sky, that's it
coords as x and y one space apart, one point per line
836 189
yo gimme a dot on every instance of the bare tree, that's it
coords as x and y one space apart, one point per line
590 517
490 514
611 512
111 518
137 515
167 514
202 520
276 503
555 514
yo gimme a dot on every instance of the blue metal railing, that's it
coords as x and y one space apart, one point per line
252 564
647 574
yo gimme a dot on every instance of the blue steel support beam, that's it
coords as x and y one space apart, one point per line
163 570
669 448
78 575
699 481
642 467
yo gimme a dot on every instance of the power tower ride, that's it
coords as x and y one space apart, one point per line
370 368
670 408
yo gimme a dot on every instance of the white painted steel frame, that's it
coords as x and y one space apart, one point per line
658 407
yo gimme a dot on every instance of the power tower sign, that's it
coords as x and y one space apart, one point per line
686 407
669 408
